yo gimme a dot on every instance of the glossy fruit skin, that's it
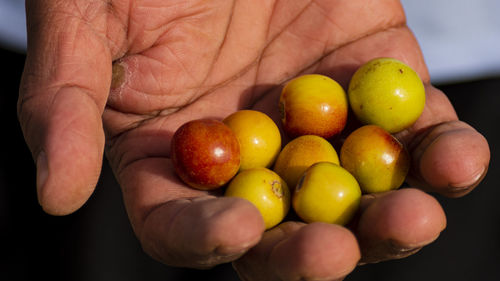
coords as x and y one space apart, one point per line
375 158
313 104
326 193
266 190
205 153
258 135
388 93
299 154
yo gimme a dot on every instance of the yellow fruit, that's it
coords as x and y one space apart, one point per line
313 104
259 138
375 158
388 93
299 154
266 190
326 193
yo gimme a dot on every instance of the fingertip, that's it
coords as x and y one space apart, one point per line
317 251
70 153
62 204
63 187
236 229
398 224
202 232
254 265
408 215
455 162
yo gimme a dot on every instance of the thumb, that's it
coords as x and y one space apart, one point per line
62 96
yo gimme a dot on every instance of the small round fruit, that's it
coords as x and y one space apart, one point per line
266 190
313 104
205 153
375 158
299 154
326 193
388 93
259 137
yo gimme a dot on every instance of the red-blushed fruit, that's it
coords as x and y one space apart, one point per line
205 153
313 104
377 160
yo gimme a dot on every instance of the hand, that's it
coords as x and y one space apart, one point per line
120 76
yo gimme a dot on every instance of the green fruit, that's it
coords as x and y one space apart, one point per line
326 193
388 93
377 160
266 190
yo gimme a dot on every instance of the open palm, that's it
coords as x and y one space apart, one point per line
120 76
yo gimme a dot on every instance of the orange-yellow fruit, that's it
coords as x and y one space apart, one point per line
266 190
258 135
299 154
313 104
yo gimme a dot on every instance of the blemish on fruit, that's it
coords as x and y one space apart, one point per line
277 188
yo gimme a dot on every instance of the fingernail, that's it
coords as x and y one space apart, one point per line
471 183
387 250
42 171
398 250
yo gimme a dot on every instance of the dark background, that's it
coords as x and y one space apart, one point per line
96 243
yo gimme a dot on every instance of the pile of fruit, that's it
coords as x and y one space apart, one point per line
244 152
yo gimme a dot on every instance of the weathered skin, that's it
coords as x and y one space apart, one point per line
183 60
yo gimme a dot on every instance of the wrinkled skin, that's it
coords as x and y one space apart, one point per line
174 61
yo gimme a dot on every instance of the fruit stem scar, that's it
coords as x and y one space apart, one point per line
277 189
